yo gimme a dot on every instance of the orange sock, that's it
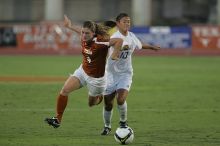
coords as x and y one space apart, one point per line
61 105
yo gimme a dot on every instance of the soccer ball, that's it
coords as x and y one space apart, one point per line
124 135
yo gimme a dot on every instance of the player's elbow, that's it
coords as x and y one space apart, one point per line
119 42
116 42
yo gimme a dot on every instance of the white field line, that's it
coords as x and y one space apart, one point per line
130 110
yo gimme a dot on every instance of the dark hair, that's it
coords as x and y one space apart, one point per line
98 29
110 23
121 15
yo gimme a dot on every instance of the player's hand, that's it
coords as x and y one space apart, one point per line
156 48
67 22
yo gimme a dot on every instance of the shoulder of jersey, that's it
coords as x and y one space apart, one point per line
131 33
101 41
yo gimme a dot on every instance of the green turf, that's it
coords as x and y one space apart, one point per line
174 101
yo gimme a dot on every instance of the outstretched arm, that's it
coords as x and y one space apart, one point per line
151 47
141 45
68 24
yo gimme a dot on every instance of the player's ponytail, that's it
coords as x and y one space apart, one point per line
101 30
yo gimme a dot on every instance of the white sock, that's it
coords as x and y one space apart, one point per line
123 112
107 116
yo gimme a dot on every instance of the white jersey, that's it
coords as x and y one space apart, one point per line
124 64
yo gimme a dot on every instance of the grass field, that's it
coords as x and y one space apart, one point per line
174 101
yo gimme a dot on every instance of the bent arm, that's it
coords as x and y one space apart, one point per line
68 24
116 42
117 45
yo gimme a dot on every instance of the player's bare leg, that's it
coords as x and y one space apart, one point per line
95 100
107 113
122 106
71 84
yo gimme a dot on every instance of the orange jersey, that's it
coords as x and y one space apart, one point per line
94 57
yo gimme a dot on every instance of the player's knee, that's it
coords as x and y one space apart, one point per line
120 100
108 107
64 92
108 104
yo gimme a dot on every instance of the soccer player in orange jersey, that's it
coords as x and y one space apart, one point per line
95 42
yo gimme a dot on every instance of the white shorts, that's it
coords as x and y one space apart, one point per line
96 86
115 82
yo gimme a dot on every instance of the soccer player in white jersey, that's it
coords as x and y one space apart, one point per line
119 72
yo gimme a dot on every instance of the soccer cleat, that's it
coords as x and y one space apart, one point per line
123 124
53 122
106 131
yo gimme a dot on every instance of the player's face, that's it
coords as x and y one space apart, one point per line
124 24
86 34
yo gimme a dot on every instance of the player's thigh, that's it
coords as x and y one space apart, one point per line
71 84
123 87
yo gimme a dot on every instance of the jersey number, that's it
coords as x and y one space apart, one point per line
124 55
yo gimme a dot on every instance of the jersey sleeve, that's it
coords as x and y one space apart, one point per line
101 40
138 44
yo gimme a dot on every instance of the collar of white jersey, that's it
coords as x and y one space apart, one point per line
122 34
